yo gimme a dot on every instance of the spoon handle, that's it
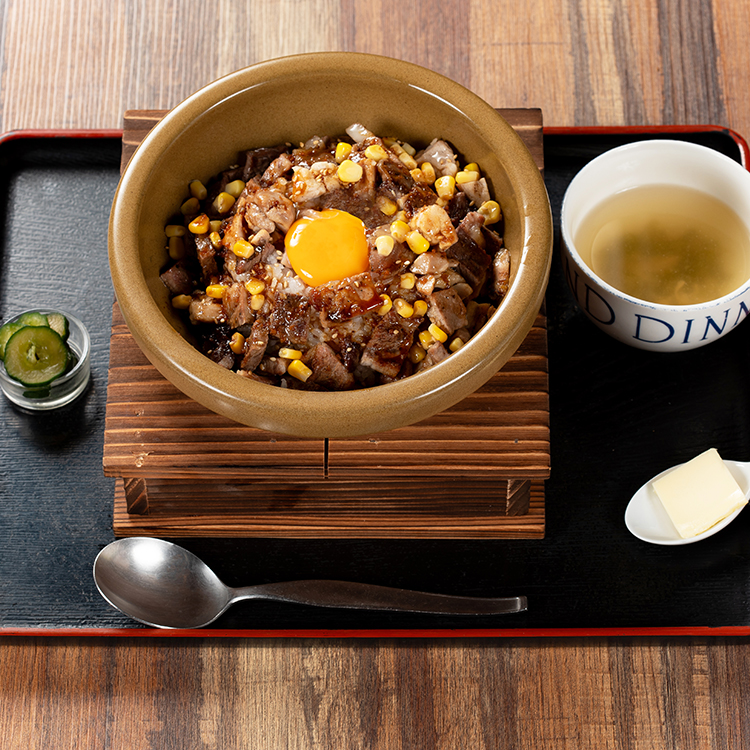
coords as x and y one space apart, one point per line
347 595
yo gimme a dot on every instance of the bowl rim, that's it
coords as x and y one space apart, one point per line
181 360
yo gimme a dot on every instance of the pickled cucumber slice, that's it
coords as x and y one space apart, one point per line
59 323
35 356
6 332
33 319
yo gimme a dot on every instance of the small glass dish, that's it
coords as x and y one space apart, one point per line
62 390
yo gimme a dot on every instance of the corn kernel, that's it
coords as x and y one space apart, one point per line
407 160
198 190
190 206
386 205
417 354
417 242
349 171
343 150
420 308
235 187
243 249
181 301
175 230
215 238
437 333
286 353
429 172
384 245
257 301
472 167
466 176
399 230
237 342
214 225
386 306
255 286
418 176
445 186
408 280
403 308
199 225
456 344
223 202
376 152
425 339
491 212
298 369
176 248
215 290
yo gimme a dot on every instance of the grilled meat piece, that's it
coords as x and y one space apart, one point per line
328 370
447 310
389 344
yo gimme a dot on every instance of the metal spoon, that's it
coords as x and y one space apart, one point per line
163 585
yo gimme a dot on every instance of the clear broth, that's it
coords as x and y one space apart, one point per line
666 244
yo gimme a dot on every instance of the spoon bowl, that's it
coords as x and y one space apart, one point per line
159 583
164 585
646 518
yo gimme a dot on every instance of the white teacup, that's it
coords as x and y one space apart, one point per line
642 324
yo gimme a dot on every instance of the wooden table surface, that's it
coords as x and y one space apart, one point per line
81 64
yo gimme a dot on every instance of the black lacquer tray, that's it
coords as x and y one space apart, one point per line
618 416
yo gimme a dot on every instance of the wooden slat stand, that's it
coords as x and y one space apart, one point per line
476 470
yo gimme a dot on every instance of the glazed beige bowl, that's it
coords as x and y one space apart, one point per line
292 99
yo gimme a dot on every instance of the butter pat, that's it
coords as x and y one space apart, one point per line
699 494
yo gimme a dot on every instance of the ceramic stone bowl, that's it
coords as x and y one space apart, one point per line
292 99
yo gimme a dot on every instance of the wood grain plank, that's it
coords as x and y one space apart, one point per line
646 62
691 78
562 694
414 31
140 123
405 509
526 122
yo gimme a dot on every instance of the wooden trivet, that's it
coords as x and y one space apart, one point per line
476 470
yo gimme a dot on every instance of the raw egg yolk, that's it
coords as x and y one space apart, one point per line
327 247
